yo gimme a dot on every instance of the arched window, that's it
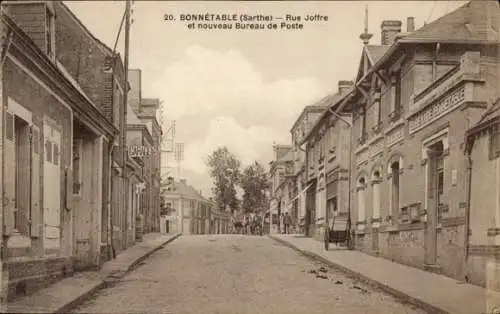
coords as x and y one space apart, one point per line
376 197
361 199
395 188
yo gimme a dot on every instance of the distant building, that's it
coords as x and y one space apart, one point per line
191 213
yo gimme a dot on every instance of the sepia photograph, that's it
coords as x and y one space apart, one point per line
250 157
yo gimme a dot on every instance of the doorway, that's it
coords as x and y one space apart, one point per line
435 194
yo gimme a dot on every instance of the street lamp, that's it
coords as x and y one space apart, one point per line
349 124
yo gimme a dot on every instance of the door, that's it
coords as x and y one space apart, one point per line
436 183
52 187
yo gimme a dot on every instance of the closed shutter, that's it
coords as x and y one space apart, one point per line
35 182
9 173
69 188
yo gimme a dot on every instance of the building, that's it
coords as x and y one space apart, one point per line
219 221
49 110
328 150
145 110
414 106
280 175
190 212
300 128
99 72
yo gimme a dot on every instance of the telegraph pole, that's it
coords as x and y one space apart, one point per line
125 61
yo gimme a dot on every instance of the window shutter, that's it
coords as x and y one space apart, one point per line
9 173
69 188
35 182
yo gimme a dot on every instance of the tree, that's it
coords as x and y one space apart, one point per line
225 172
254 183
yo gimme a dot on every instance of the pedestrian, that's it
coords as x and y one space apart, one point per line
287 222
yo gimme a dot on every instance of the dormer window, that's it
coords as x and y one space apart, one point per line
50 30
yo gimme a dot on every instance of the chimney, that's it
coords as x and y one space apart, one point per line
390 29
410 24
344 86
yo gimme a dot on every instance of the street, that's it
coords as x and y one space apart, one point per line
237 274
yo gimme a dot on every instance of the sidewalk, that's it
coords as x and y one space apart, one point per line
62 296
432 292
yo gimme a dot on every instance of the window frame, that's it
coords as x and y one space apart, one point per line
494 142
50 31
77 175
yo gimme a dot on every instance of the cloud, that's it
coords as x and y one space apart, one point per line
248 144
223 92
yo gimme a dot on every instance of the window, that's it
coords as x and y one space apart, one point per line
377 105
495 142
395 187
56 154
22 159
48 151
362 129
437 176
361 199
49 33
117 101
77 166
376 195
396 103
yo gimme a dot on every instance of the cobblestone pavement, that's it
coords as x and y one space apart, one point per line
238 274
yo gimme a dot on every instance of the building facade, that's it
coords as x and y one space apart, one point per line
300 128
190 212
46 112
63 93
413 108
280 175
145 109
328 150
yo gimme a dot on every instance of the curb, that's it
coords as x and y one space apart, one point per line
109 280
148 254
371 282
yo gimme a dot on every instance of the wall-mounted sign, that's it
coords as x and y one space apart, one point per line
140 151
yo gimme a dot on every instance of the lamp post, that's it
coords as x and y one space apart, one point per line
350 125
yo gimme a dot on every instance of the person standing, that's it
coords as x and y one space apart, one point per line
287 222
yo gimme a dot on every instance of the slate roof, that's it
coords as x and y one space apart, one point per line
186 191
375 52
477 20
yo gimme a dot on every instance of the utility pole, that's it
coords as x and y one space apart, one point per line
126 88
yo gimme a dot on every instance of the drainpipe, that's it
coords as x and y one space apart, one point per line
110 194
467 210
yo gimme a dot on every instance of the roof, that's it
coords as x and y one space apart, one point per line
307 109
337 100
491 115
477 20
186 191
375 52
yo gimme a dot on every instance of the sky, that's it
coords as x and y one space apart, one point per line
242 89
